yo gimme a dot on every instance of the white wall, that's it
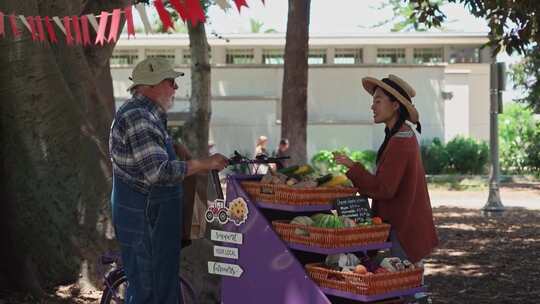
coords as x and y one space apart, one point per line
468 110
246 103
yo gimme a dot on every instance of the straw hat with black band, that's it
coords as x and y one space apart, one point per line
400 89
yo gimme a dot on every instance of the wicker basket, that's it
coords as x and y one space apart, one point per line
284 194
371 284
331 237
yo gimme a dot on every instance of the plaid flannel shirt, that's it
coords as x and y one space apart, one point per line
137 145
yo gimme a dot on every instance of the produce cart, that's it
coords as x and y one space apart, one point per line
263 257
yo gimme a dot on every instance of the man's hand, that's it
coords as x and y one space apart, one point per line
214 162
343 159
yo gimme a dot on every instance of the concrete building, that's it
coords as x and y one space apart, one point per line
448 70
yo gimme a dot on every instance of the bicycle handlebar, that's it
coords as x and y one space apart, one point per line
238 159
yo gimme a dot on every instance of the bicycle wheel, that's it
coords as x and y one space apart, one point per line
115 289
188 294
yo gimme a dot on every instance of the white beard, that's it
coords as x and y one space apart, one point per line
169 104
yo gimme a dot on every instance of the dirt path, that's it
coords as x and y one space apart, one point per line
526 195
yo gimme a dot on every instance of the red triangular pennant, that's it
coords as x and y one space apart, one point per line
85 30
2 28
39 25
13 22
163 15
115 23
32 24
69 38
129 21
196 12
77 29
100 38
50 30
180 8
240 3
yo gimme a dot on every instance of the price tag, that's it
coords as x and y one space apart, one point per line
354 207
226 252
226 237
225 269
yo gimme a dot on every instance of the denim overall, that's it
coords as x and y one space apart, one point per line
149 229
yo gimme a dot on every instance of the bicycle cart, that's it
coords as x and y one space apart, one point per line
260 264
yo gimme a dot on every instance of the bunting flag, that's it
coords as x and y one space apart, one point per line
224 4
40 30
77 29
93 21
67 27
23 20
180 8
50 30
129 21
33 32
85 30
196 12
2 28
115 24
144 17
100 38
59 24
13 22
240 3
164 15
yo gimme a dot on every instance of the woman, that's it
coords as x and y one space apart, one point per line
261 150
260 146
398 187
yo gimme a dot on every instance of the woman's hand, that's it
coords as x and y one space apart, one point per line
343 159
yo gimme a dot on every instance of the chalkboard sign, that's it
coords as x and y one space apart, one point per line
354 207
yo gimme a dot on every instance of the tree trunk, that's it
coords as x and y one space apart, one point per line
295 81
57 108
197 127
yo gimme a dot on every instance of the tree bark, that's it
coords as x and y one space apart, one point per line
196 129
295 81
57 108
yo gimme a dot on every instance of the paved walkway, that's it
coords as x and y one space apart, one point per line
513 195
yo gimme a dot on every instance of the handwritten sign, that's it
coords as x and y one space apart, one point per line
225 269
354 207
226 252
226 237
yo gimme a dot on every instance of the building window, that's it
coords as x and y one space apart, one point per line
390 55
124 57
160 53
273 56
240 56
186 56
348 56
428 55
317 56
464 55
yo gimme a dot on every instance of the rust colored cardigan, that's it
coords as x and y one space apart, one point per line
400 195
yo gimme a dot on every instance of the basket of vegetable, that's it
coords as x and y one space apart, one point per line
298 186
331 231
344 272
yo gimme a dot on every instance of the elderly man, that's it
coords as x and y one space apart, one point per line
147 185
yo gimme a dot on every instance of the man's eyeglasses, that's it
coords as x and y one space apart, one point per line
172 83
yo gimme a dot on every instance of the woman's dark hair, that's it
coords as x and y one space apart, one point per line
403 114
